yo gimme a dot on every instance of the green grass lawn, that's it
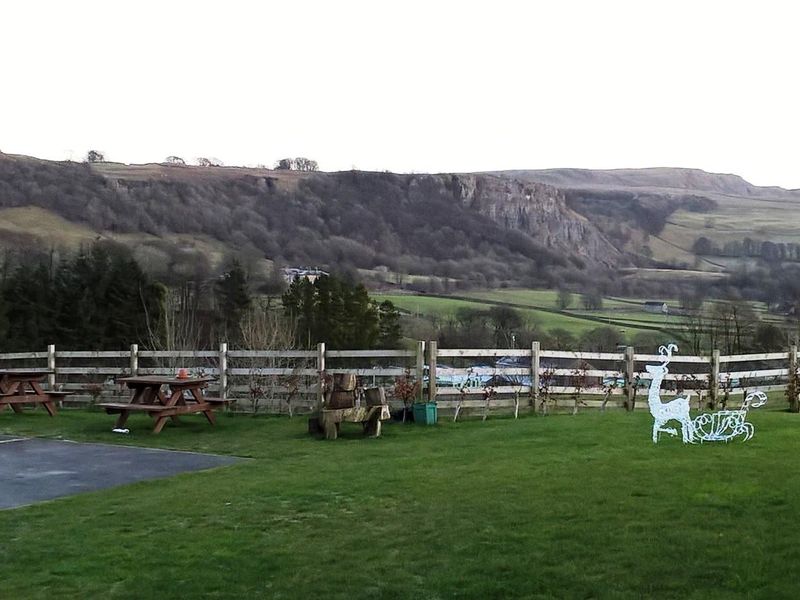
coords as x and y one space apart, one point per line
541 507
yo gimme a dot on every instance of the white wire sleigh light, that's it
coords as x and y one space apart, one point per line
721 426
724 425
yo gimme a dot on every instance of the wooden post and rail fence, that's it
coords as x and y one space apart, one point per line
269 380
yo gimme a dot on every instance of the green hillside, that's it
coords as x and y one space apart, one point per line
626 232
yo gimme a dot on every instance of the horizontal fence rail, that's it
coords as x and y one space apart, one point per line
275 380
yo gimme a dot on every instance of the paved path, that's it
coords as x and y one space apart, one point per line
33 470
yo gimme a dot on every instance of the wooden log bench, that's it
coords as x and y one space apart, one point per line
370 418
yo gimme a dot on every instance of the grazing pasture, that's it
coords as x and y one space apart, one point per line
540 298
539 307
559 506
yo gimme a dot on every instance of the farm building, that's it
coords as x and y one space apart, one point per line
291 274
659 308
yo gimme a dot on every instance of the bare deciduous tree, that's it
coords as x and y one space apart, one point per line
204 161
266 329
564 299
177 326
306 164
733 326
296 164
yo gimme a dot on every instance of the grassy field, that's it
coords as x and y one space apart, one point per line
616 309
542 507
52 231
540 298
45 225
443 308
668 251
538 306
776 220
427 305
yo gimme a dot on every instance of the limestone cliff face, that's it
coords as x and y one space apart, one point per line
537 209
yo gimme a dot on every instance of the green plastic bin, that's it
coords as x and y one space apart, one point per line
425 413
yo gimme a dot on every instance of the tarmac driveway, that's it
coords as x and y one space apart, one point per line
33 470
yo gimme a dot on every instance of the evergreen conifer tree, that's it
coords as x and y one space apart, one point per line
340 314
389 325
233 299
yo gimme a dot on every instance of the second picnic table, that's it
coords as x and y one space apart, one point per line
184 396
24 387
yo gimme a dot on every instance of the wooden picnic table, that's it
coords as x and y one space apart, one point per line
19 387
165 398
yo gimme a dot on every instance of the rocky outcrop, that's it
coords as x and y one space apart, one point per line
538 210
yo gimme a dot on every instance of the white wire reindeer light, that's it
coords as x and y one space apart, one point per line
677 409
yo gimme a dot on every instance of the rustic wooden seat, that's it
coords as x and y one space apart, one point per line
369 417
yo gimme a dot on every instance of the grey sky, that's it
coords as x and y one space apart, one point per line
408 86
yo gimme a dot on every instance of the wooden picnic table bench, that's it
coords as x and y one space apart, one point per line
19 387
216 400
164 398
118 407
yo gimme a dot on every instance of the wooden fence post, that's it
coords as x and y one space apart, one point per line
794 399
420 368
321 370
223 371
432 352
134 360
51 366
630 380
713 384
535 361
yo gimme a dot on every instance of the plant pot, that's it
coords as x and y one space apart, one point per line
425 413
